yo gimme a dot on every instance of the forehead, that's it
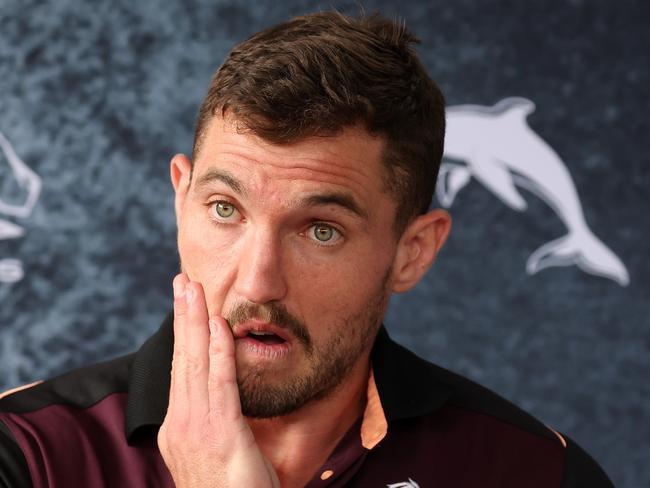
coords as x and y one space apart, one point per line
347 162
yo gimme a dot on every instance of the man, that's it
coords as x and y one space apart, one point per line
304 206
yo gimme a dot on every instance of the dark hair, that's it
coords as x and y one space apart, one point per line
320 73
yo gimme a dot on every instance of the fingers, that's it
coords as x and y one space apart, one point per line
197 341
180 307
204 376
180 312
204 439
223 393
191 341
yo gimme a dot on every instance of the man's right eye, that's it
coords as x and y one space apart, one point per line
222 210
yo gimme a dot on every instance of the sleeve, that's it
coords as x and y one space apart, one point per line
581 470
13 467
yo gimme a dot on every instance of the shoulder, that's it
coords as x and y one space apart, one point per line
60 407
13 468
581 470
63 407
477 424
44 420
79 389
411 387
521 436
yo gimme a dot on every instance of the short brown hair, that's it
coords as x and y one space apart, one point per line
320 73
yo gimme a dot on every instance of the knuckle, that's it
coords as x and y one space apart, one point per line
186 364
161 439
180 309
215 348
193 366
217 382
176 428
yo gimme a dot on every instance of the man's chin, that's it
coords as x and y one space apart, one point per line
264 394
264 403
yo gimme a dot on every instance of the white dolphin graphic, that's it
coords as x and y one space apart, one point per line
29 184
502 152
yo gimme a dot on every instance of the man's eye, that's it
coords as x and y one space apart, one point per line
222 209
325 234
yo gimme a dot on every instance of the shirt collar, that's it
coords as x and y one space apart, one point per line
406 384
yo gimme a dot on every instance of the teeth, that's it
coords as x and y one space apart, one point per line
260 333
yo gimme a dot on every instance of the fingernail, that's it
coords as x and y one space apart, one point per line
179 288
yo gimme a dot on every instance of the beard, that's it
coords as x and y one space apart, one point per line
328 364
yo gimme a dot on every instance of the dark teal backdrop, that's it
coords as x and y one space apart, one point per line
95 98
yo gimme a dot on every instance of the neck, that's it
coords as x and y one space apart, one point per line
299 443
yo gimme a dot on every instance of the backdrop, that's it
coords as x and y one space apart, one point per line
542 291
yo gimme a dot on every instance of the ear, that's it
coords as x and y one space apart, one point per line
180 169
418 247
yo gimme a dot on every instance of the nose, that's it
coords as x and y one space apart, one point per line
260 274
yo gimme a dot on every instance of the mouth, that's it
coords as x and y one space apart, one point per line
262 339
268 338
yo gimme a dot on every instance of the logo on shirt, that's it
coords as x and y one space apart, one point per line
404 484
496 147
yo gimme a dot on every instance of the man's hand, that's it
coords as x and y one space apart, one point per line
205 440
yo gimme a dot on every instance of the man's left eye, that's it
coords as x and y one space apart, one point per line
324 234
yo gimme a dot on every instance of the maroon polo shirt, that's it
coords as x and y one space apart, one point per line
423 427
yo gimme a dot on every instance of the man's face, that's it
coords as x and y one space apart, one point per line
293 245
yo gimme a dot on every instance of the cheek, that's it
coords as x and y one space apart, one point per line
208 258
340 290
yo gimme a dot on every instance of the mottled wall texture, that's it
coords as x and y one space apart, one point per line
96 97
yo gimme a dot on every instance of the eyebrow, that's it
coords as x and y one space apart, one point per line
340 199
223 176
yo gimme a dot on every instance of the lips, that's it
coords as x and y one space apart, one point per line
264 333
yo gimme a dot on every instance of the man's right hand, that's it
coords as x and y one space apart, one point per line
205 440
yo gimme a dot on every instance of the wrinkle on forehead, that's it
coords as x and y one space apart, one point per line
350 160
355 141
290 159
261 172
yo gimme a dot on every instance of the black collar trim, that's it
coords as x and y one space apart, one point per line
408 386
149 383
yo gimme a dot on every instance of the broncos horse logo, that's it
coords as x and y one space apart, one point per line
501 151
19 191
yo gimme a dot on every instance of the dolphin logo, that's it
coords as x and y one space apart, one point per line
502 152
18 181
